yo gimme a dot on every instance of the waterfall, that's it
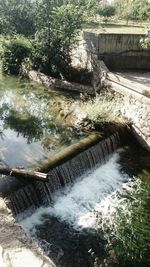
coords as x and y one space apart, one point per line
78 204
33 195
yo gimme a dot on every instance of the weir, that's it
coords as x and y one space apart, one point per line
21 195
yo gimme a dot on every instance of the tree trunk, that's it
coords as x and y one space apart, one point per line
69 152
24 173
46 165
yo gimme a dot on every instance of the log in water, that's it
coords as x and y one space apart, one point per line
54 161
69 152
24 173
22 195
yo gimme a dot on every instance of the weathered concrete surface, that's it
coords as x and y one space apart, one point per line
134 87
119 51
16 249
138 82
69 152
136 100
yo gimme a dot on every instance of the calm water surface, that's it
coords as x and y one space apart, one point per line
34 123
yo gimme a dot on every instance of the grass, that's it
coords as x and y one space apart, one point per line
116 26
103 108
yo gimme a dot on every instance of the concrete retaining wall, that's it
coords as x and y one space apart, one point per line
136 105
138 113
119 51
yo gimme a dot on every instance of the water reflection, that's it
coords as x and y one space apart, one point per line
34 122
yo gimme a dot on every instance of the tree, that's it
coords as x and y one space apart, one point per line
17 16
106 10
57 28
133 9
15 50
53 25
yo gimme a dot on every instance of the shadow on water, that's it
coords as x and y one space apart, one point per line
68 247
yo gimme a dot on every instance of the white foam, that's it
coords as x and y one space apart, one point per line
78 205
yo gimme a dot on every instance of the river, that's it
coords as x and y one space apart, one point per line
103 218
35 122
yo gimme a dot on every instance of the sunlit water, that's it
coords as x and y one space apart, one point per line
34 122
103 219
76 204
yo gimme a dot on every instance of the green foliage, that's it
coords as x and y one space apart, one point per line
132 229
102 108
15 51
57 31
144 12
54 26
106 10
17 16
145 42
133 9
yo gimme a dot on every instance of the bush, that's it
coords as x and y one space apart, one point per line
133 9
106 10
145 42
17 16
14 52
102 108
80 75
57 31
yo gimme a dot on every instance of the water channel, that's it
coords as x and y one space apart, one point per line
34 123
103 217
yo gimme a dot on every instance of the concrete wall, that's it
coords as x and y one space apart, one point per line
138 113
136 106
119 51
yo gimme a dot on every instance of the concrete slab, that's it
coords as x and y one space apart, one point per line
16 248
136 81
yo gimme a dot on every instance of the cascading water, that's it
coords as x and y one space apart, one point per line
77 204
90 212
38 193
101 220
72 216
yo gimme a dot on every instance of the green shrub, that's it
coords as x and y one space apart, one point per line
133 9
80 75
145 42
57 32
103 108
106 10
17 16
14 52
